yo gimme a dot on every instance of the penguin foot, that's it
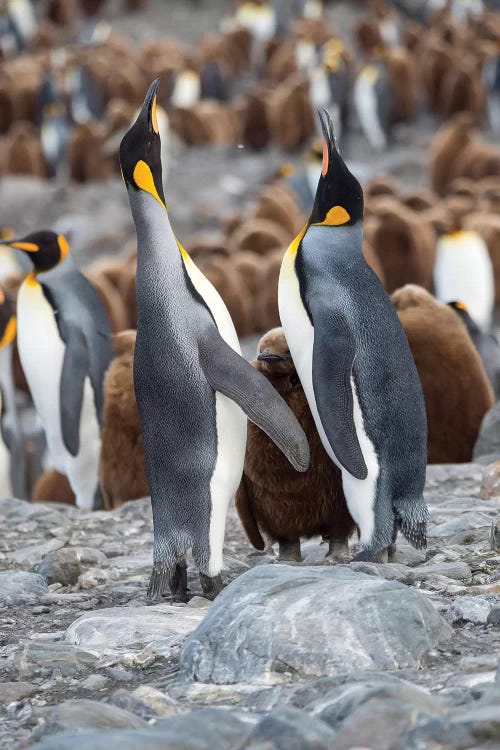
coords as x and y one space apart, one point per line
338 550
177 583
163 581
289 552
376 557
211 586
391 551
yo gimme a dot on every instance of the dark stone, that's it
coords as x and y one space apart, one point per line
290 729
18 587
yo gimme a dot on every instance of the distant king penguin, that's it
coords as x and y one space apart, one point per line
355 364
64 345
193 388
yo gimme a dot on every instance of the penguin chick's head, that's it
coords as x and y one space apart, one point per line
7 321
339 197
273 354
46 249
140 150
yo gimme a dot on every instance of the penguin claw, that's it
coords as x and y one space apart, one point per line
211 586
164 581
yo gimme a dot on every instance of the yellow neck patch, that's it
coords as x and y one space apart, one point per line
334 218
144 180
31 279
63 246
10 333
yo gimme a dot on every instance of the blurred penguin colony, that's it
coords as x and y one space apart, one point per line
70 88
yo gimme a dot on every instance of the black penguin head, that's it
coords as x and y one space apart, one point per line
140 150
46 249
339 197
7 321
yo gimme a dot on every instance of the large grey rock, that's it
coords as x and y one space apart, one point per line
118 628
467 608
290 729
459 571
65 565
14 691
84 715
309 622
465 523
29 556
18 587
45 657
488 441
452 480
473 728
206 729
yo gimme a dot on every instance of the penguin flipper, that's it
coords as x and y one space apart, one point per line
75 369
230 374
333 357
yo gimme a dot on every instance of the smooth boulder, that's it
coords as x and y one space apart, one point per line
309 622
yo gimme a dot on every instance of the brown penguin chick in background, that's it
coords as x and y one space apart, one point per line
53 487
404 245
122 470
272 498
456 388
447 146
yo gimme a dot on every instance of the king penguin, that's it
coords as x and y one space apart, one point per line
13 477
64 342
355 364
193 388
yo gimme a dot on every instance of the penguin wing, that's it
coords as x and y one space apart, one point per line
230 374
333 357
76 367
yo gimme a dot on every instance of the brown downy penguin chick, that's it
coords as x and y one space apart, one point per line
272 498
405 247
228 283
456 388
122 470
260 236
266 299
22 152
448 144
53 487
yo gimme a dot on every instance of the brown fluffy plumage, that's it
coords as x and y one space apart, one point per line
53 487
122 469
456 388
274 499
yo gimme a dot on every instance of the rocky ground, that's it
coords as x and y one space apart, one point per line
307 655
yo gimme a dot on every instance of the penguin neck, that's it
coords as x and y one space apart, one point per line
156 242
341 244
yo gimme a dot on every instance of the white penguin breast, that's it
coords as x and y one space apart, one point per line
360 494
187 89
464 272
41 351
365 102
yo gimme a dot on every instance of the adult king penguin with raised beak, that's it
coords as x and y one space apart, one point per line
355 364
192 386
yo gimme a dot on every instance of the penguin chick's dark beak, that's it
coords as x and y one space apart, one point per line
266 356
140 150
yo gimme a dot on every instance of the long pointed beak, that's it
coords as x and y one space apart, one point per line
148 109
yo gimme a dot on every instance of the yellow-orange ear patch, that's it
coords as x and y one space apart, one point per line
63 245
461 306
28 247
326 158
144 180
335 217
10 333
154 117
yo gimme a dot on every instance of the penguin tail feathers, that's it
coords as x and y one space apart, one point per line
412 519
246 516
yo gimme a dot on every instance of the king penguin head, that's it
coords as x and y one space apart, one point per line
339 197
46 249
140 151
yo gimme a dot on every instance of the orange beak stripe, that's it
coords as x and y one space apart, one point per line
324 168
28 247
